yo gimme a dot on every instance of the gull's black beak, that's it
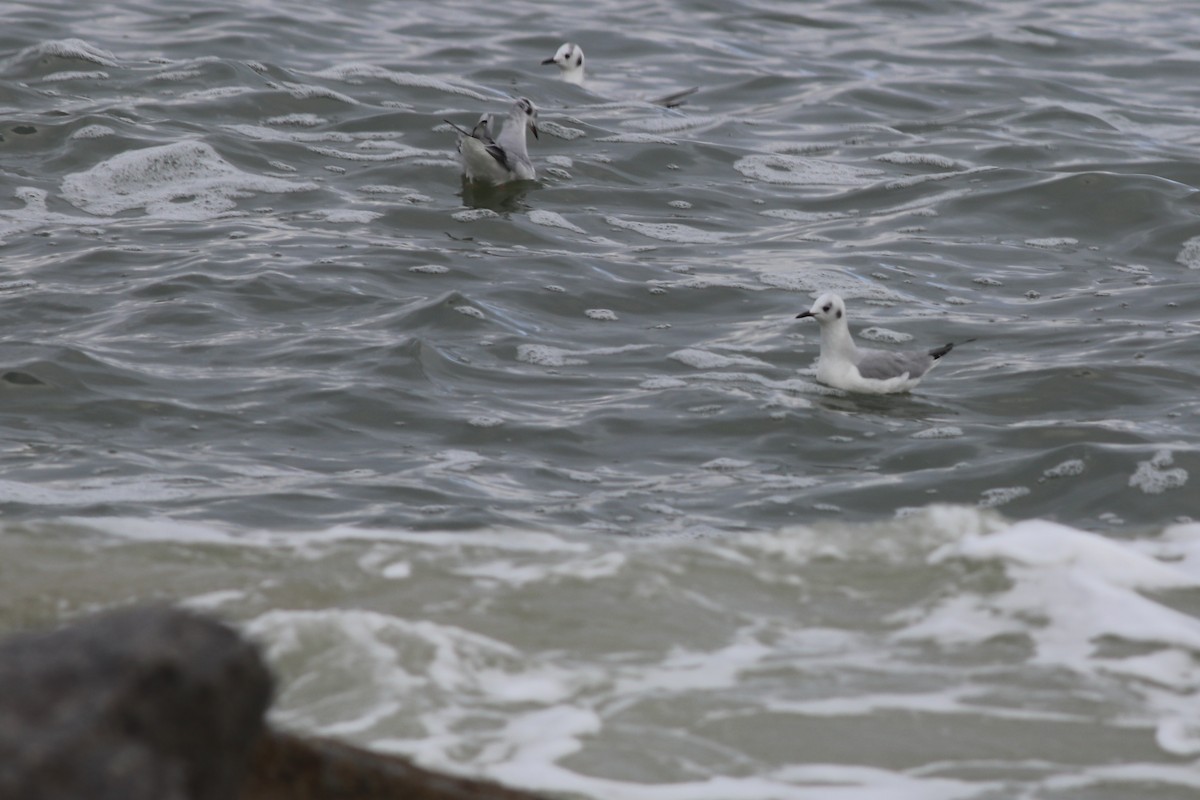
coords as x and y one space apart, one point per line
533 128
549 60
805 314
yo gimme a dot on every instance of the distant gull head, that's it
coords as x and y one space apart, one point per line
502 158
844 365
569 59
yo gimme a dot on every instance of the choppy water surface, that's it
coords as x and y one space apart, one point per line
536 483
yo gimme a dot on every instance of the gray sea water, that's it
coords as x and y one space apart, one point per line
536 483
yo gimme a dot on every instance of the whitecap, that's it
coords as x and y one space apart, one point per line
181 181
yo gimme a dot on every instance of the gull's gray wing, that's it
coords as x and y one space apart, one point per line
483 134
497 152
882 365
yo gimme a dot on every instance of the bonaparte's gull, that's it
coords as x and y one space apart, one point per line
505 157
844 365
569 58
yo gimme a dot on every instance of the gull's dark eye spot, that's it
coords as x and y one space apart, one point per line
825 307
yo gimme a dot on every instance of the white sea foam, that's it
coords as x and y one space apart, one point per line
1053 243
1067 469
93 132
1154 477
922 160
34 214
354 72
668 231
704 359
547 356
1083 589
876 334
939 432
297 120
474 215
636 138
58 77
533 657
1189 253
1001 495
90 492
349 216
75 49
552 219
182 181
561 132
790 170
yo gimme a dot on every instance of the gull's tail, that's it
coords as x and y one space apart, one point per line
461 131
675 99
938 352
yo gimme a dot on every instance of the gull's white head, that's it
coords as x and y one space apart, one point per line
828 308
569 59
525 113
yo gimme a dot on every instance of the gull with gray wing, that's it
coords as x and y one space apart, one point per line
505 157
844 365
569 60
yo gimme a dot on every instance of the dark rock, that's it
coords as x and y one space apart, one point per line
149 703
161 704
287 767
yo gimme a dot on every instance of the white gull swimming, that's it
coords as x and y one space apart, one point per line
505 157
844 365
570 61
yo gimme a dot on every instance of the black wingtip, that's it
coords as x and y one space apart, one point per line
938 352
457 128
675 99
